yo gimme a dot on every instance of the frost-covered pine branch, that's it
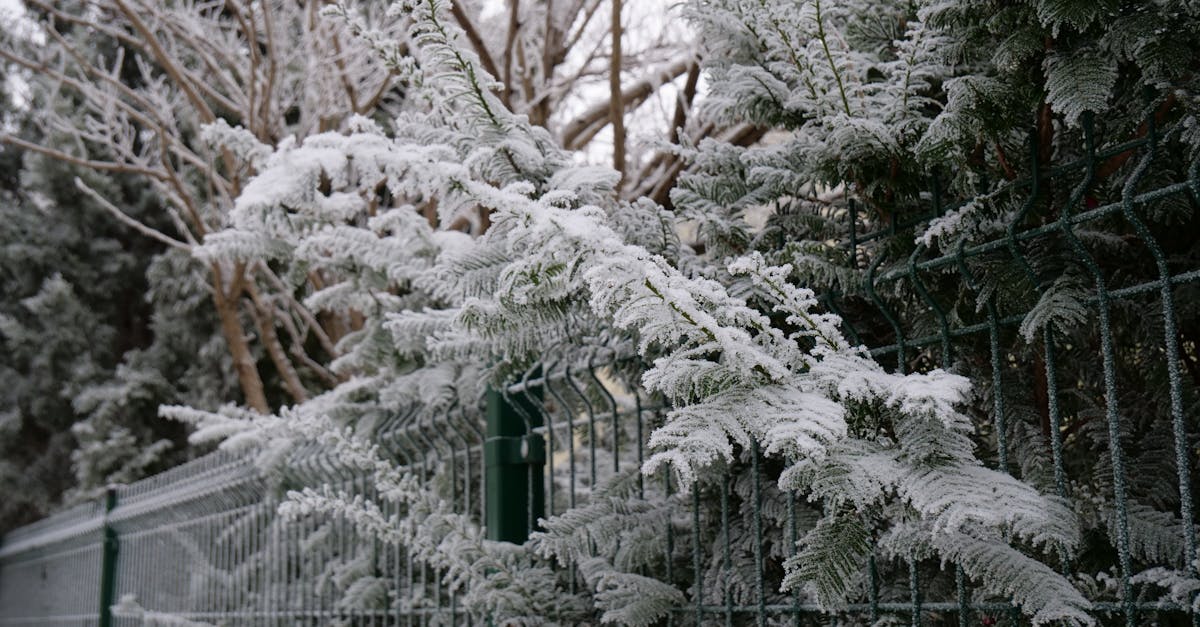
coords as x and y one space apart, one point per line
764 369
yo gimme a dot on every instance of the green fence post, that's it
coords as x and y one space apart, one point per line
108 567
513 458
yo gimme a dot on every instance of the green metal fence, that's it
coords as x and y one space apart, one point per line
1088 392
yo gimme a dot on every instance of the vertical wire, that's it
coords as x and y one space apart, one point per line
254 572
210 556
696 555
1112 411
422 618
272 569
964 609
934 306
1001 419
869 288
1053 411
914 589
591 414
637 403
312 604
550 437
1170 338
960 589
793 549
531 470
758 536
570 437
616 423
227 586
290 563
670 556
901 366
873 590
396 563
726 561
993 326
1056 442
1051 373
245 559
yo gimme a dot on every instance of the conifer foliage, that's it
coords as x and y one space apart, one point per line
745 358
469 249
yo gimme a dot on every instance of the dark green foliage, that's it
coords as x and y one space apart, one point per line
98 326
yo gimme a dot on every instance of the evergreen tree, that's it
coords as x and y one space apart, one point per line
873 101
100 327
460 247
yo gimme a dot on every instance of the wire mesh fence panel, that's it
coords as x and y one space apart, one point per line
1071 303
1073 310
49 571
204 542
1067 315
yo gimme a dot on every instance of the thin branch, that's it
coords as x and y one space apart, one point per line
251 36
323 338
514 24
829 56
214 67
148 115
103 166
325 374
384 86
683 103
272 66
616 99
339 62
1002 159
550 45
585 126
485 57
178 75
84 89
260 310
239 347
125 219
572 40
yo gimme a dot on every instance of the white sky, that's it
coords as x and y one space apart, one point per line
11 14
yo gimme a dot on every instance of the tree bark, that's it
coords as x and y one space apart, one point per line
616 109
239 349
264 318
580 130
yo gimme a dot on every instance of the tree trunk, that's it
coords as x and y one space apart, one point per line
264 319
239 349
616 102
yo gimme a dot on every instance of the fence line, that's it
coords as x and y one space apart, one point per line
1078 407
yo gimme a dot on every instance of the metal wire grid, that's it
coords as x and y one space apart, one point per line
1125 217
49 570
578 405
202 540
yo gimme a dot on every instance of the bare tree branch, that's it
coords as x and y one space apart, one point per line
125 219
585 126
94 164
514 24
616 111
264 319
485 57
